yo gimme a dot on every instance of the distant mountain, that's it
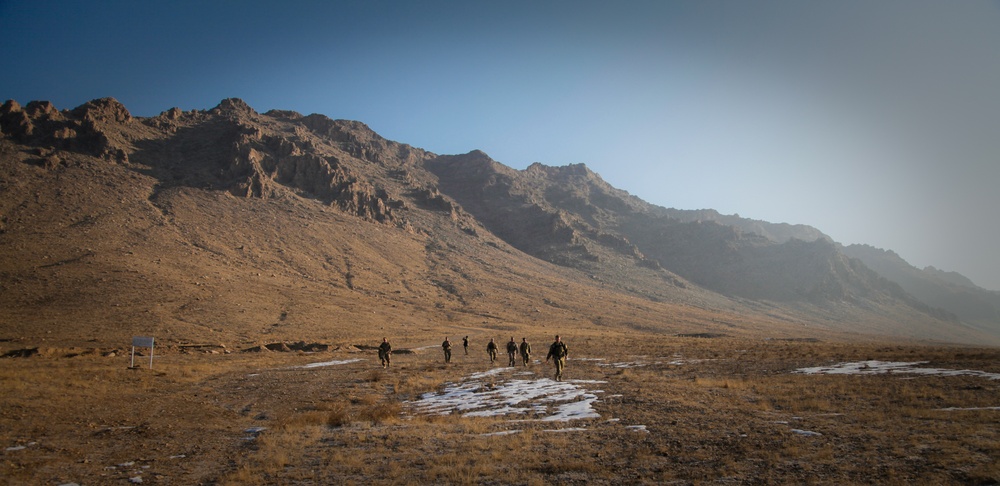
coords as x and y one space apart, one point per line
777 232
945 290
570 216
951 277
228 222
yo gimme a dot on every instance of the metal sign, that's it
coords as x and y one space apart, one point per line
142 342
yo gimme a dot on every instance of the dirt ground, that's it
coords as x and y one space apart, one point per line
667 410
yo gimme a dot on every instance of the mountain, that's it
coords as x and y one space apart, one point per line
945 290
570 216
777 232
237 226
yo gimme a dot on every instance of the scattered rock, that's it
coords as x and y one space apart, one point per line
289 347
21 353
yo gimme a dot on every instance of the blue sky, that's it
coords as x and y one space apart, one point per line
877 122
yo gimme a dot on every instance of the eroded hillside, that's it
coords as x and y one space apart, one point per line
228 225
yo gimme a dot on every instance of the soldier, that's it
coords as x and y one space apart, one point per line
446 346
491 348
384 352
512 352
559 351
525 351
465 344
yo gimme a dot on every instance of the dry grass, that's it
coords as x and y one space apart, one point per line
714 410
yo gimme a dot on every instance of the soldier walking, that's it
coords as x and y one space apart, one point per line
512 352
558 351
465 344
525 351
384 352
446 346
491 348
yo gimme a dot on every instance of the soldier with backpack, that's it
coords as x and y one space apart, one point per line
525 351
512 352
491 349
384 352
446 346
558 351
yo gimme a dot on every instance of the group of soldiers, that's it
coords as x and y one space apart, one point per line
557 351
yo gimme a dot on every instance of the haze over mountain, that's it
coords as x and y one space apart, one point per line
944 290
231 225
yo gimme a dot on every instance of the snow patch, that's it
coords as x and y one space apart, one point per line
484 374
960 409
330 363
874 367
500 433
543 399
19 447
253 432
632 364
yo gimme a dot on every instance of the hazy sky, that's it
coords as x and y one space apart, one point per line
877 122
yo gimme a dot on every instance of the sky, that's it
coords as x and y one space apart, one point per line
875 121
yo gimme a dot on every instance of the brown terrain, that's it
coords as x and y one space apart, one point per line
268 254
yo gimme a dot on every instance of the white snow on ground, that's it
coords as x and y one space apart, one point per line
807 433
582 409
330 363
626 364
546 399
639 362
484 374
589 382
962 409
19 447
880 367
502 432
253 432
679 360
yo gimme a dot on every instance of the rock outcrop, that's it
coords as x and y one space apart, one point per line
91 128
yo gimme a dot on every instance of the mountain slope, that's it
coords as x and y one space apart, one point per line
228 225
234 226
777 232
570 216
944 290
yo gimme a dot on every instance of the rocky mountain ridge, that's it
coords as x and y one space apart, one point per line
944 290
344 220
570 216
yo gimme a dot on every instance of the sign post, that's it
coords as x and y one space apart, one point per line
142 342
